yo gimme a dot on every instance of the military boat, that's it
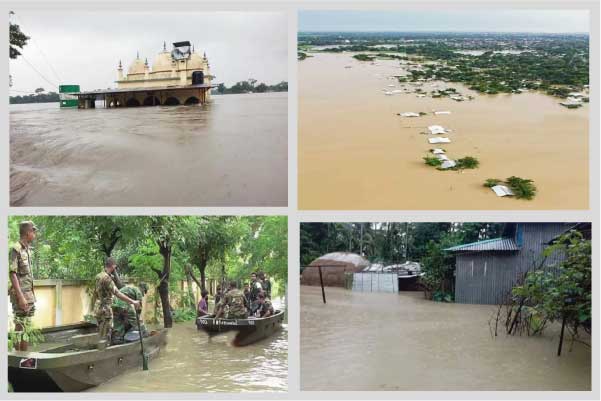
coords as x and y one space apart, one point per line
250 330
72 358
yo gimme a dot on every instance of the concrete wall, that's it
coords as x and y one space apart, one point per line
67 301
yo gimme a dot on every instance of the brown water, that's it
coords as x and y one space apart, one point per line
377 341
191 362
232 152
356 153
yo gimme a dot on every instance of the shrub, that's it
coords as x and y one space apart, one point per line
521 187
467 162
491 182
432 161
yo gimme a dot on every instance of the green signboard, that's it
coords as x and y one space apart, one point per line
66 97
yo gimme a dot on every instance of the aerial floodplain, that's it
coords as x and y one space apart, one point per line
441 120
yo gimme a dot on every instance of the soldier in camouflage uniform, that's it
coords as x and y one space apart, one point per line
265 306
124 315
21 292
235 301
103 294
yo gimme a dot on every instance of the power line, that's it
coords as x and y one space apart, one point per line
39 73
20 20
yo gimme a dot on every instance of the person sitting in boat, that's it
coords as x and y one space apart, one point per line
104 291
218 295
203 305
124 314
247 294
235 302
265 308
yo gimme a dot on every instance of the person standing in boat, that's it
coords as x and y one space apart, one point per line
104 291
255 289
235 302
266 284
22 294
124 314
265 308
218 296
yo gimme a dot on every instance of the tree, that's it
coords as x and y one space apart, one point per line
39 90
17 40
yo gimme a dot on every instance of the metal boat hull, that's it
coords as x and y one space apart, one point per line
78 370
249 330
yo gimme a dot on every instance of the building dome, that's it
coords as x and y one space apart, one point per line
162 62
196 62
137 67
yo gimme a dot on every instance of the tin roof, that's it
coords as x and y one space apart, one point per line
497 244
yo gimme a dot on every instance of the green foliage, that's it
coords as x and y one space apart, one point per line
440 296
552 294
521 187
30 334
467 162
432 161
250 86
49 97
364 57
17 40
491 182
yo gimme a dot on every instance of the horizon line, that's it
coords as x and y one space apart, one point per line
447 31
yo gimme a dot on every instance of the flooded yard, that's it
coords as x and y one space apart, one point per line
377 341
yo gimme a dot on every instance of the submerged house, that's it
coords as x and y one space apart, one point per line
333 267
486 270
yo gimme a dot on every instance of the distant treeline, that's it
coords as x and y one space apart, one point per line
35 98
251 86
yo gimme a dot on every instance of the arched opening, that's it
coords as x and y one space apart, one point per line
133 102
171 101
152 101
191 100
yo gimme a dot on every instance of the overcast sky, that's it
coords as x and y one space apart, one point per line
485 20
85 47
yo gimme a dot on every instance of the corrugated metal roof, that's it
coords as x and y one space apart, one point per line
497 244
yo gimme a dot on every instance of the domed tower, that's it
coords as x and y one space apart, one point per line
163 64
137 67
120 72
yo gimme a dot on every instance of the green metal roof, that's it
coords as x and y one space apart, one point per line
496 244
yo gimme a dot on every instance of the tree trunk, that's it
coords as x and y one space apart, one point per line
190 290
165 251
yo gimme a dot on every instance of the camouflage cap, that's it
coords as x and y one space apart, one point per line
27 225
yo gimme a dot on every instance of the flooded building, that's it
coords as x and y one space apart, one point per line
486 271
178 76
334 267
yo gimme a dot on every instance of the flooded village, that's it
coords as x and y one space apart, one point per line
383 115
444 307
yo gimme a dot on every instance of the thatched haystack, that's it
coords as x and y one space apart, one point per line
334 264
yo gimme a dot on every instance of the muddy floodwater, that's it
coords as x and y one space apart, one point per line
377 341
355 152
191 362
231 152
